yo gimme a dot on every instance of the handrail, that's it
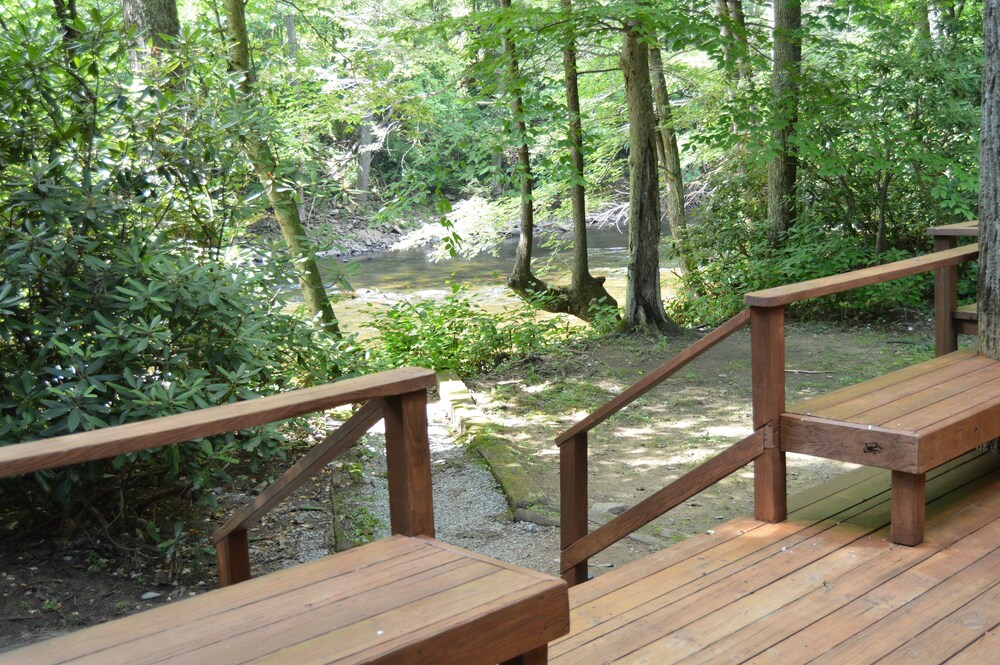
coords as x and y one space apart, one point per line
813 288
701 478
42 454
573 528
308 466
398 396
655 378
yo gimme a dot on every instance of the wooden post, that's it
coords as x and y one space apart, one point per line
945 300
408 457
573 501
767 352
232 554
909 494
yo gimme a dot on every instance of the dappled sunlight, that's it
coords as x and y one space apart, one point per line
727 431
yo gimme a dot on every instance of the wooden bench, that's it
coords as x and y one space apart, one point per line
407 599
400 601
950 321
908 421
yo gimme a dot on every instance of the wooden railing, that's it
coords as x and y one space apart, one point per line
766 315
399 396
577 544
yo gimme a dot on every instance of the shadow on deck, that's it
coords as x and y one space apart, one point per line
827 585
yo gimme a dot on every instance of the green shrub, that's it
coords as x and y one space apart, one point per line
457 334
119 300
735 258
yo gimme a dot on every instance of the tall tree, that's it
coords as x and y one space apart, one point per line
782 167
153 21
643 301
286 211
989 186
584 288
671 160
521 279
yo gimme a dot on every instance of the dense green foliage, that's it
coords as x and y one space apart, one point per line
120 298
457 334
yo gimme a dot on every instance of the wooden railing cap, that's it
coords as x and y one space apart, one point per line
59 451
789 293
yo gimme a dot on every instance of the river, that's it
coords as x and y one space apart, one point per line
386 277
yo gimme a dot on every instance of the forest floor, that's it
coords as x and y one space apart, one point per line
55 581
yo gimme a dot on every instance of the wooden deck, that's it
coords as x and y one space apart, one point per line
824 586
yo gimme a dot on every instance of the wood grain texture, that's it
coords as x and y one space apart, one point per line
657 376
401 601
573 504
968 229
850 442
408 458
909 492
784 295
913 407
790 586
758 632
100 444
767 368
232 556
878 406
815 405
945 300
682 489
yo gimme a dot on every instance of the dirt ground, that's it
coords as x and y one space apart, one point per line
691 417
56 580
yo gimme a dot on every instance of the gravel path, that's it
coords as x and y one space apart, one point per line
469 509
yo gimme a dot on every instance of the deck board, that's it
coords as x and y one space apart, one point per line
826 584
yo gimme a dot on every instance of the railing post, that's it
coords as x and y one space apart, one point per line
408 457
573 501
945 300
767 352
232 554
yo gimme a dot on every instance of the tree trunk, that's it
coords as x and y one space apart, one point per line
152 20
643 302
286 211
989 187
739 31
672 175
584 289
521 279
781 200
363 185
725 27
291 39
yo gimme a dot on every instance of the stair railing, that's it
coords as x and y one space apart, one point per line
766 315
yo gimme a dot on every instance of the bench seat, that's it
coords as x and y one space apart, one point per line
400 600
966 319
909 421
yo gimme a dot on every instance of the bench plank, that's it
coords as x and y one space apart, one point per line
858 390
389 601
929 405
